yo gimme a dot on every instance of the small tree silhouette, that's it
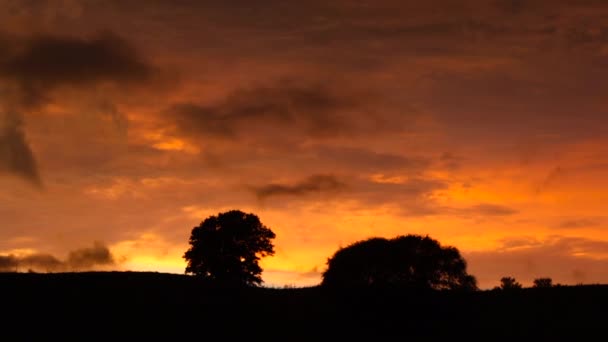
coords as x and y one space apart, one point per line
543 282
509 283
410 261
226 248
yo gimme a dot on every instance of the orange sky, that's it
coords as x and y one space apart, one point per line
483 124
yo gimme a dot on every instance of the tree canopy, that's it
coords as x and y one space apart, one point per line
411 261
226 248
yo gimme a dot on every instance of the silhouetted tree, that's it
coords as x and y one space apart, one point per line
509 283
543 282
410 261
226 248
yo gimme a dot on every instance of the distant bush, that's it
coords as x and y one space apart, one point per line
543 282
509 283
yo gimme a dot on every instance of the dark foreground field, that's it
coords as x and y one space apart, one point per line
118 306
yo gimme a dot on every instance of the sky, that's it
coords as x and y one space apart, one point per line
483 124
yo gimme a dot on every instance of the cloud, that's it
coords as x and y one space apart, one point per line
364 160
284 103
511 6
552 179
40 14
426 205
31 67
567 260
408 196
487 209
412 196
579 223
8 263
42 62
312 109
311 185
39 262
16 156
450 161
78 260
88 257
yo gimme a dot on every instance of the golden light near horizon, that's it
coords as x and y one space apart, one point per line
121 129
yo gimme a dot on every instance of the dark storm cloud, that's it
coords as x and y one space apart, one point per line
311 185
16 156
78 260
314 109
42 62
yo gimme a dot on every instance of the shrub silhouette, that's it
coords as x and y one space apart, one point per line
411 261
226 248
509 283
543 282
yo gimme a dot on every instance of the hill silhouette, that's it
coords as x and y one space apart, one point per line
122 305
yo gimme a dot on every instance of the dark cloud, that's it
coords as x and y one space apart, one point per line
285 104
476 211
411 196
567 260
416 196
512 6
311 185
88 257
31 67
34 262
365 160
554 176
42 62
519 242
579 223
409 187
16 156
8 263
119 119
487 209
312 109
78 260
450 161
45 262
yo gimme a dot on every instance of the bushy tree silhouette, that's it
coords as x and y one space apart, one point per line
509 283
226 248
410 261
543 282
